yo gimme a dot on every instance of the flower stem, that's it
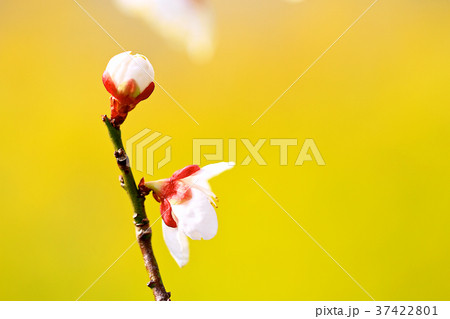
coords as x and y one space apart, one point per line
141 222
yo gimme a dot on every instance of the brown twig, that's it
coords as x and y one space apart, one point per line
143 229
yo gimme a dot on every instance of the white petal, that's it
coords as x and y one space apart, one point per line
197 217
141 71
177 243
212 170
207 172
125 66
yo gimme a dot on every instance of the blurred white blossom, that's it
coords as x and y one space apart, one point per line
186 24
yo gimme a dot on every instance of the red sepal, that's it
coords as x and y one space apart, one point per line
143 190
176 191
185 172
145 94
166 214
124 102
156 197
125 97
119 112
109 84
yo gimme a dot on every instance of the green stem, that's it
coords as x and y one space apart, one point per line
143 229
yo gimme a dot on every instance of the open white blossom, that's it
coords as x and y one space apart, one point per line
187 207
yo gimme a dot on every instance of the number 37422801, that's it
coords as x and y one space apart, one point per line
406 310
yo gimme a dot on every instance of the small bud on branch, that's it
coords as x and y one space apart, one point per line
130 79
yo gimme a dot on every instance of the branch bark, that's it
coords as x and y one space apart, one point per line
141 222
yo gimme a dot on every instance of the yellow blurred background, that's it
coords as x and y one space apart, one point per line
377 106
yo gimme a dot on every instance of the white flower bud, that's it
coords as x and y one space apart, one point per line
129 78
